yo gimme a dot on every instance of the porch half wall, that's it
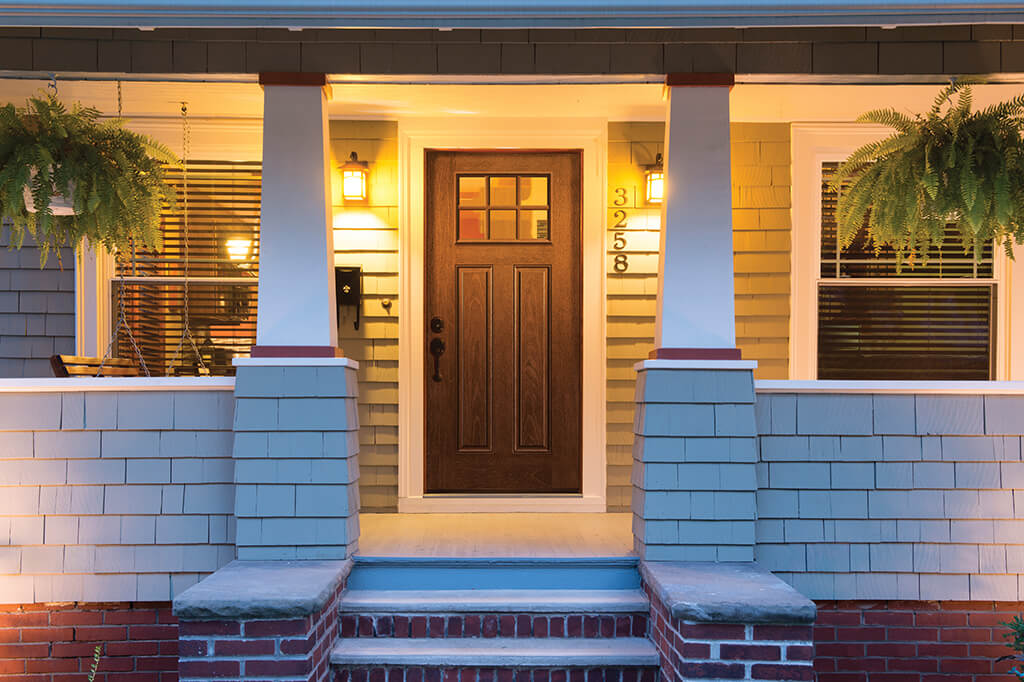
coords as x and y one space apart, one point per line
908 496
114 495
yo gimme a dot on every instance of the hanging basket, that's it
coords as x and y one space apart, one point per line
59 204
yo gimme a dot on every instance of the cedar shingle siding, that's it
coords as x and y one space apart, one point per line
850 49
37 309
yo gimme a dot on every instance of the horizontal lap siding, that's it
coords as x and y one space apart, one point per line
37 309
761 232
367 236
892 496
113 496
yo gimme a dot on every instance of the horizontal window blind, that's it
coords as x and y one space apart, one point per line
876 330
220 270
904 333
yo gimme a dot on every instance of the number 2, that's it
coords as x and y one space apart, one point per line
620 218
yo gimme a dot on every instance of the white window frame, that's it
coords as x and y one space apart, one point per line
817 143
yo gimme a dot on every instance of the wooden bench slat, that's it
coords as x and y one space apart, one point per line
76 365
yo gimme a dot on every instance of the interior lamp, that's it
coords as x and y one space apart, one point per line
353 179
655 181
238 249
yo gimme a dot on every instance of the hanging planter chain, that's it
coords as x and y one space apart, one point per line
186 332
122 319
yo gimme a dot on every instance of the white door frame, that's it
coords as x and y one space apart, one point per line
414 137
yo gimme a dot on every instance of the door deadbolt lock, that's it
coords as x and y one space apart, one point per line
436 325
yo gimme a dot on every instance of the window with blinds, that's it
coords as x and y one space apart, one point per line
210 261
932 321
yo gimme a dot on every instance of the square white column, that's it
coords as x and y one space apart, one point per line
296 308
696 314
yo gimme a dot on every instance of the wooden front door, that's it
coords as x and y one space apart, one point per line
503 344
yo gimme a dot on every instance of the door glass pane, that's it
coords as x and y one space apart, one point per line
503 225
533 191
472 224
472 192
503 191
533 225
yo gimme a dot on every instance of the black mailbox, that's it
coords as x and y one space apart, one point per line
348 283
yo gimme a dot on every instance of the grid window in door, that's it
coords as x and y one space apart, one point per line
500 208
924 321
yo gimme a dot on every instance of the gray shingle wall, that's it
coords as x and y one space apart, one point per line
892 496
113 496
37 309
296 462
850 49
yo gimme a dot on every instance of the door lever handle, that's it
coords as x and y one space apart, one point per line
437 350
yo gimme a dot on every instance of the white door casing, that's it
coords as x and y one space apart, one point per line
414 137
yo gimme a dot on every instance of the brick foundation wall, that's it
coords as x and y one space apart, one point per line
494 625
729 651
292 650
55 642
912 641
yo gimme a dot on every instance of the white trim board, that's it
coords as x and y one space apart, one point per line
414 137
813 144
120 384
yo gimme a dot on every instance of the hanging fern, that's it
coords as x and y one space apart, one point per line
113 176
950 166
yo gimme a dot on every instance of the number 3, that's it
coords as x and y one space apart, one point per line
620 196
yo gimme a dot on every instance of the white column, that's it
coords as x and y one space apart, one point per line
296 304
695 267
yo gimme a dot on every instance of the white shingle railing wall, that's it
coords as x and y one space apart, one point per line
889 491
113 489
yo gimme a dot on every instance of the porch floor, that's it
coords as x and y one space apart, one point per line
526 535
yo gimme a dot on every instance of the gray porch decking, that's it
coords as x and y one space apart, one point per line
526 535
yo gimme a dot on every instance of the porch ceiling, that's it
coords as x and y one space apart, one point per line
629 98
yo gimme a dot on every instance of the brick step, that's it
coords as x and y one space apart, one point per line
494 613
628 653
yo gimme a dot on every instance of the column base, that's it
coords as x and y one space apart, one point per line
296 352
695 354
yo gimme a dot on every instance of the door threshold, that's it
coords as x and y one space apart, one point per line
501 503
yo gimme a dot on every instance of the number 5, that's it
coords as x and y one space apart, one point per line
620 241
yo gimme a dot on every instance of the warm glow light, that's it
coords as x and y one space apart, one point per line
655 191
655 187
353 179
238 249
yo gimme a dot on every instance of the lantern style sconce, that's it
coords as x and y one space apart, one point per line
655 181
353 179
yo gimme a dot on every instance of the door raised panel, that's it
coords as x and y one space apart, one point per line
474 357
533 348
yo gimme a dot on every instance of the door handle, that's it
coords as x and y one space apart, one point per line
437 350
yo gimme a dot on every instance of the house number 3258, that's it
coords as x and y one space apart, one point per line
621 262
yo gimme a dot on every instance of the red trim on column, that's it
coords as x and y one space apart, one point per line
292 78
695 354
296 352
700 80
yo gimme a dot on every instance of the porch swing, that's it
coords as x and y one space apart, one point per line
68 365
76 365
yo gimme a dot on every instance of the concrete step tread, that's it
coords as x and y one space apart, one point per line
497 652
494 601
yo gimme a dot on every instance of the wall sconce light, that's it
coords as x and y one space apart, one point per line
655 181
353 179
238 249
